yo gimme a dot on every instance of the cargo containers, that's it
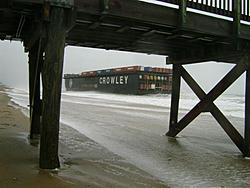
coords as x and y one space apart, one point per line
126 80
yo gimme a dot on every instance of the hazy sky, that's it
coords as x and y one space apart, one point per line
14 66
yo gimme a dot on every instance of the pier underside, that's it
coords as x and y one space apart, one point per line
46 26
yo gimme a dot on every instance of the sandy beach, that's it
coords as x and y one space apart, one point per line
84 163
109 140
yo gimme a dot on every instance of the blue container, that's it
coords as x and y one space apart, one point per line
99 72
148 69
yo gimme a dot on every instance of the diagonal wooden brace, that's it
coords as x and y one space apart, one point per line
218 115
210 97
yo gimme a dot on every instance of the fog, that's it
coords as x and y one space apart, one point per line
14 65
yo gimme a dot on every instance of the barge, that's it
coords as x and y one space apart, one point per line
136 80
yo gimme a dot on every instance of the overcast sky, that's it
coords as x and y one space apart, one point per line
14 66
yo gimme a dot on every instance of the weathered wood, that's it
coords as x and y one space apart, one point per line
218 115
32 62
30 1
52 83
236 22
204 54
121 13
34 89
34 38
176 84
182 13
236 17
210 97
128 9
104 5
247 111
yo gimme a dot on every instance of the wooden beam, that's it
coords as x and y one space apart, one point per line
223 53
173 36
4 4
175 97
236 22
29 1
123 29
35 63
94 25
104 4
182 13
34 37
218 115
247 111
209 98
151 13
52 83
236 17
148 33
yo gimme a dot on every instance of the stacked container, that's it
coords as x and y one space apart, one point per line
127 80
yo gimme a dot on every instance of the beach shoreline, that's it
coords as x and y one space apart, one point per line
84 163
114 141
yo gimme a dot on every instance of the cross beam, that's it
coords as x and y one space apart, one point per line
206 104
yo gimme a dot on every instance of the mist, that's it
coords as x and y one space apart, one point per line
14 65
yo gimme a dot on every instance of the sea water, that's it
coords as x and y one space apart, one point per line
230 104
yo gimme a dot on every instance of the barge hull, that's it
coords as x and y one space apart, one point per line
135 82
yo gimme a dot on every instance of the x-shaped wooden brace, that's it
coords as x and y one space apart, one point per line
206 103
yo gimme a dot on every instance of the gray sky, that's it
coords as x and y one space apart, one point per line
14 66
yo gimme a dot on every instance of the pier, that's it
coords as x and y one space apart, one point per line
185 31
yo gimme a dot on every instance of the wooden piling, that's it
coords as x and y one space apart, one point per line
236 17
247 111
175 96
34 89
236 22
182 13
52 83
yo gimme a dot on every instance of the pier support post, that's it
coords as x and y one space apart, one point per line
175 96
52 83
35 56
226 125
206 103
182 13
236 22
235 73
247 111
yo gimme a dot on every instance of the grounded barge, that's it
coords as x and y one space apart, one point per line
136 80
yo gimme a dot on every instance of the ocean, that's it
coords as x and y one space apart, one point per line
134 128
231 104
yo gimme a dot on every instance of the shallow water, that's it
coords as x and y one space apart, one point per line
134 127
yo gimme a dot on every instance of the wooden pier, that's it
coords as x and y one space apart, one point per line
189 31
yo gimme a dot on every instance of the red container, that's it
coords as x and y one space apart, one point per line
122 69
133 68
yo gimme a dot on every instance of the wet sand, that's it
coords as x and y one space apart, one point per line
84 163
201 156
